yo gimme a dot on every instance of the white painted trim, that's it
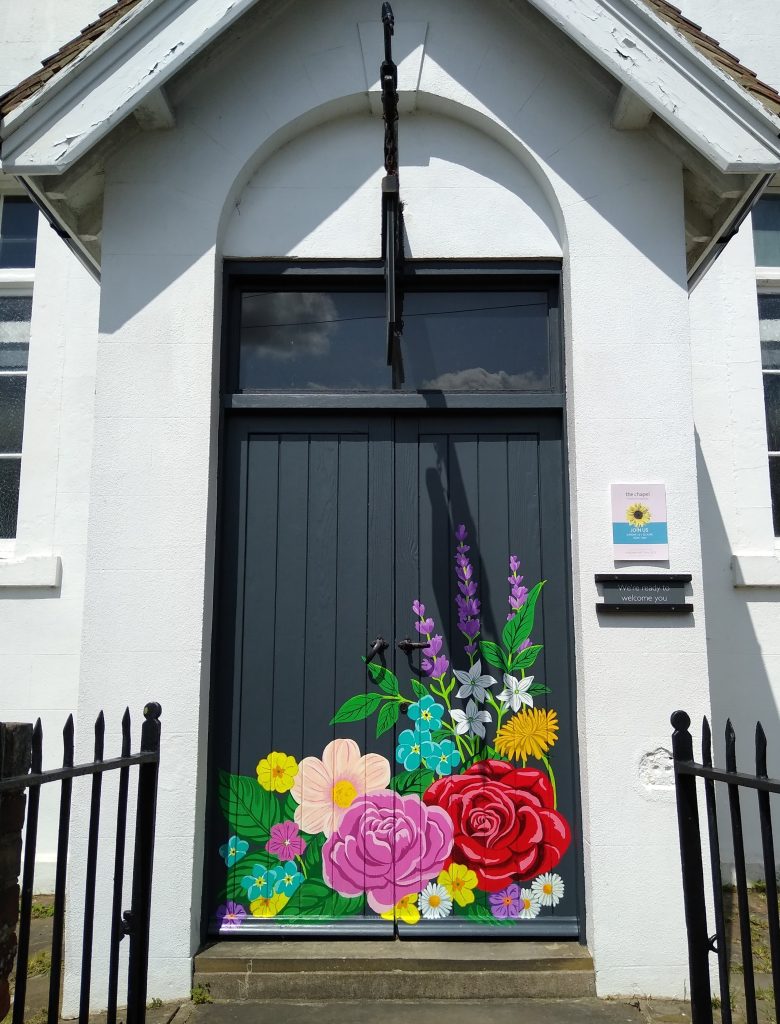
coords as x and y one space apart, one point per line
110 80
756 570
17 281
159 37
719 118
768 276
43 571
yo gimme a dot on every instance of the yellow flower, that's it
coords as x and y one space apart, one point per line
277 772
268 906
638 514
459 880
528 734
405 910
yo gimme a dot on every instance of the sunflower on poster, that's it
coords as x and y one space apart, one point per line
638 514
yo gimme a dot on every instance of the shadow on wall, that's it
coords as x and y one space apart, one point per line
739 686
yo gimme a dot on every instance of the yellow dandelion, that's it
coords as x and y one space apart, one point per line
277 772
638 514
459 881
268 906
405 910
530 733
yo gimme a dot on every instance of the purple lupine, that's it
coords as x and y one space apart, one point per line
518 592
467 601
434 663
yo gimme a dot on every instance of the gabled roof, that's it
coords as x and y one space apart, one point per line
670 78
712 49
66 54
673 16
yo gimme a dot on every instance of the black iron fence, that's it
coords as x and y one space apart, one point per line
133 923
700 941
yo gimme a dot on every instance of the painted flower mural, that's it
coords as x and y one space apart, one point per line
466 824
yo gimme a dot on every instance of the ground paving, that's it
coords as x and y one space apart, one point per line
517 1011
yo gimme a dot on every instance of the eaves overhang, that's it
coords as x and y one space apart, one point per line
727 139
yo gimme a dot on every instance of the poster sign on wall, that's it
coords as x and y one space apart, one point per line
639 532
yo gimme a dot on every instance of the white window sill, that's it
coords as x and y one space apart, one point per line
43 571
756 570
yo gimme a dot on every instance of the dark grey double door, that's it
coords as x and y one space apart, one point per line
333 526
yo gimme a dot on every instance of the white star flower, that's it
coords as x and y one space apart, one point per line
473 683
435 902
515 692
471 720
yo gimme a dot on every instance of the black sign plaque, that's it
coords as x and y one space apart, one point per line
644 592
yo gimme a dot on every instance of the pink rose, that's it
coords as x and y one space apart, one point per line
387 846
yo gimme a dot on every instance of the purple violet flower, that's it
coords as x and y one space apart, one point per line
467 602
518 592
506 903
230 914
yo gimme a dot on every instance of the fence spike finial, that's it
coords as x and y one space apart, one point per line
152 711
760 751
706 742
681 721
67 743
731 747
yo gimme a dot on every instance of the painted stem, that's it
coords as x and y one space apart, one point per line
551 774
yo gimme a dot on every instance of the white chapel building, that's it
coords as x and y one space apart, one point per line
418 571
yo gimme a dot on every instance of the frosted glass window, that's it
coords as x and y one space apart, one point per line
15 313
769 323
766 231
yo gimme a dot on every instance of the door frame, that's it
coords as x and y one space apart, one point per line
241 275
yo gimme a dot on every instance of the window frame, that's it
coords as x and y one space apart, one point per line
354 275
15 282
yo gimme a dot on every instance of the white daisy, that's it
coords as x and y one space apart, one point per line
471 720
515 692
529 904
548 889
435 902
473 683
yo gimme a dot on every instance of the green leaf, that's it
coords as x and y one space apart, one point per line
526 658
357 708
384 678
477 912
289 807
493 654
234 890
312 856
249 809
316 899
537 689
519 628
387 717
420 690
416 781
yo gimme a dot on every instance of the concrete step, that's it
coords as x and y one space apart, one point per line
347 971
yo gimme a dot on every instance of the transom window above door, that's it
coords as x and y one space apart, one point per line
460 333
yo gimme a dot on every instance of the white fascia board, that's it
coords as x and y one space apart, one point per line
52 130
712 112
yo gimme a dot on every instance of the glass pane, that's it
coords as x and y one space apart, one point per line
15 314
316 341
766 231
12 413
774 483
10 470
772 401
769 325
476 341
18 232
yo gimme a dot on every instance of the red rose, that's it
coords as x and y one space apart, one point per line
505 824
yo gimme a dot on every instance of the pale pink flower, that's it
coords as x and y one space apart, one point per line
326 789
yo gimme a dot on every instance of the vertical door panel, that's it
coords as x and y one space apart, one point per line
308 585
502 480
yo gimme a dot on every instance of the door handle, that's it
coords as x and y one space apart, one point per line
407 646
379 645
